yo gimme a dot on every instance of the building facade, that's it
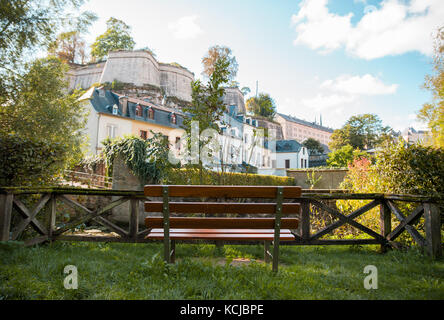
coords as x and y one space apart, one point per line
412 136
300 130
112 115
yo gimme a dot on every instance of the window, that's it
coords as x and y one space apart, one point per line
115 109
302 163
111 131
139 111
178 143
151 113
305 163
173 118
287 164
303 150
143 134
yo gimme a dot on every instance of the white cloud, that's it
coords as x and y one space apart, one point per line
392 28
342 96
328 101
359 85
186 28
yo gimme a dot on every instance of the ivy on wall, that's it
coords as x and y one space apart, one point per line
147 159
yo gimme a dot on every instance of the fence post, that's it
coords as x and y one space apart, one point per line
134 219
52 215
385 222
5 215
305 220
432 223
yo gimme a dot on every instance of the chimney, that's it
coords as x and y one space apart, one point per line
124 103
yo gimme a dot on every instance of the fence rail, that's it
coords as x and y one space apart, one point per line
89 179
50 198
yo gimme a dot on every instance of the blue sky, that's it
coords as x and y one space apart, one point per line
336 58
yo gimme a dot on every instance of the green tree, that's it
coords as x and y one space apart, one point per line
207 106
362 131
433 113
116 37
263 105
313 145
41 114
216 53
343 156
29 25
69 47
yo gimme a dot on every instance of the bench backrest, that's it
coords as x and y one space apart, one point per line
289 192
266 192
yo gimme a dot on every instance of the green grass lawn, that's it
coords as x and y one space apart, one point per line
136 271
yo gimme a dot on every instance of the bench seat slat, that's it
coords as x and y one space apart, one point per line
222 207
221 223
223 191
215 231
221 236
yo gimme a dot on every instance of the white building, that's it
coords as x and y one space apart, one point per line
286 154
411 136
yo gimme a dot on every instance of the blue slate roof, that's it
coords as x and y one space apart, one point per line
305 123
284 146
288 146
104 100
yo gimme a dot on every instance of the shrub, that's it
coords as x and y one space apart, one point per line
414 169
399 168
191 177
30 162
344 156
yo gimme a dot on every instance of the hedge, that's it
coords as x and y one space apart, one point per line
191 177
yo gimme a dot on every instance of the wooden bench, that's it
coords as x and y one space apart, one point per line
222 229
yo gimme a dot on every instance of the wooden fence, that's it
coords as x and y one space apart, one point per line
385 236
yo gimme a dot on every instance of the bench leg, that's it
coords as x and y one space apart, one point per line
173 251
275 256
267 251
219 244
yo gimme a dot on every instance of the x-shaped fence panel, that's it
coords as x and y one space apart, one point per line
45 226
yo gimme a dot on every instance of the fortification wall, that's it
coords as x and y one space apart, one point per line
233 96
136 67
141 74
85 76
176 81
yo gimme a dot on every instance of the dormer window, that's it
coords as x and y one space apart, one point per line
115 110
139 111
173 118
151 113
